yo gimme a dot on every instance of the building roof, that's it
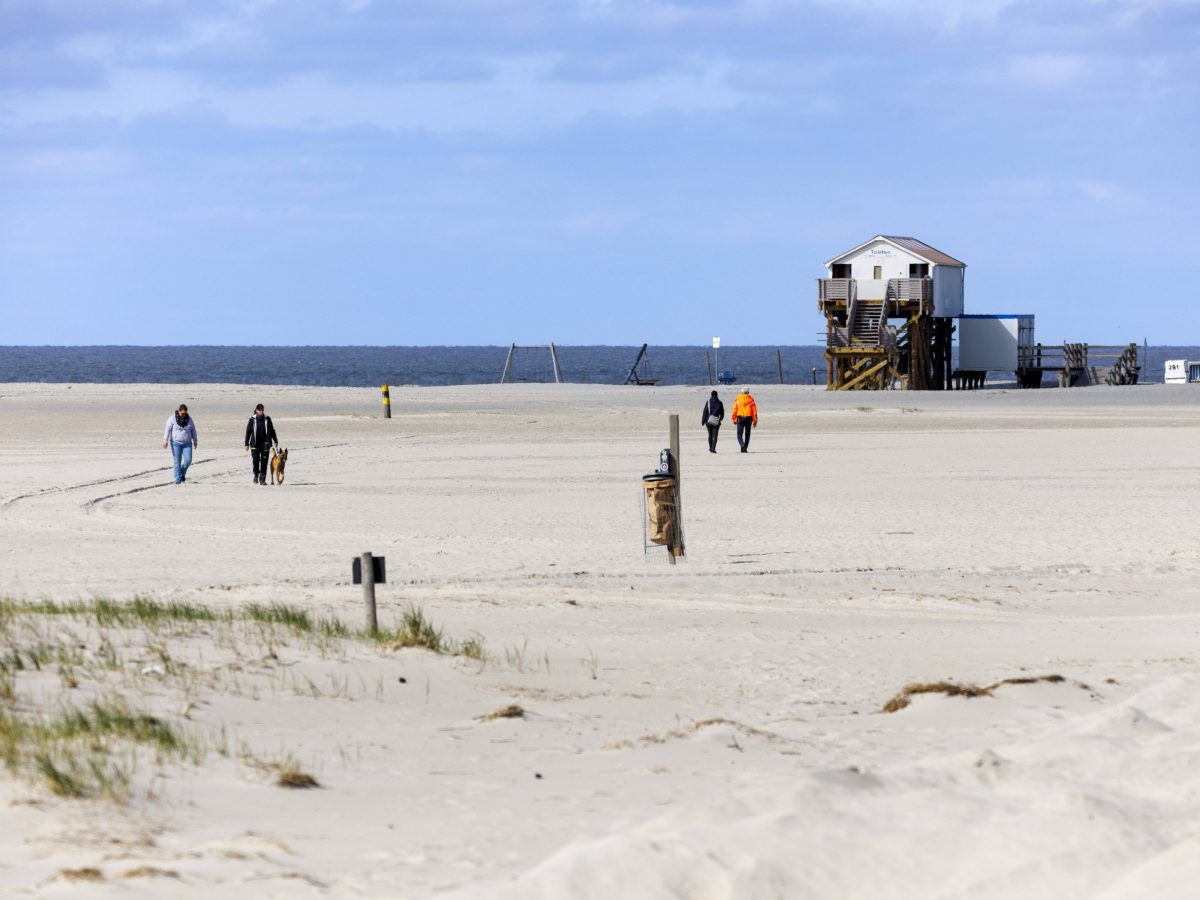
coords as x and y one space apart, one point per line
924 250
912 245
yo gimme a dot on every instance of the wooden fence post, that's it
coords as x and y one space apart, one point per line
368 583
676 548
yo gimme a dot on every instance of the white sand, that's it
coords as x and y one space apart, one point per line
705 730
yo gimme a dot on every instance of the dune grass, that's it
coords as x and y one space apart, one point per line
66 726
512 711
78 751
414 630
294 778
950 689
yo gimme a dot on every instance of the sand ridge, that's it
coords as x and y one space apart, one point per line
705 729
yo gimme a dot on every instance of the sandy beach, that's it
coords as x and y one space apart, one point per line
711 729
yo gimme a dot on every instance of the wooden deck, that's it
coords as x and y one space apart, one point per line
1076 365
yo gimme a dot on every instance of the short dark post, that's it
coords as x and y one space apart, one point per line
708 362
779 365
387 403
368 583
814 374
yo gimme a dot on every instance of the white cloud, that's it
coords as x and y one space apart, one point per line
948 14
1047 70
517 98
68 164
1103 191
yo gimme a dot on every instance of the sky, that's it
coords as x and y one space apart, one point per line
435 172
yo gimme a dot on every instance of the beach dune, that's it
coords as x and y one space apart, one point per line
600 723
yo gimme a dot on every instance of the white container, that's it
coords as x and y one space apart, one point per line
993 343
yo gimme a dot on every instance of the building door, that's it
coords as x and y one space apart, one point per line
918 270
841 270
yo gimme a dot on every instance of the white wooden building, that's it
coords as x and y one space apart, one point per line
872 264
889 306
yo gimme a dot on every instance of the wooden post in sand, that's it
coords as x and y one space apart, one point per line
676 547
368 583
387 403
779 365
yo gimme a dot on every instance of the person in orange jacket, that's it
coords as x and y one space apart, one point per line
745 417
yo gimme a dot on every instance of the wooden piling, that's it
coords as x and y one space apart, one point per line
368 583
387 403
676 547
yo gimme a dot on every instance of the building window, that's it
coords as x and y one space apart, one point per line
878 272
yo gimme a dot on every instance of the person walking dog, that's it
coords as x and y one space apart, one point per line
260 435
180 436
745 417
714 412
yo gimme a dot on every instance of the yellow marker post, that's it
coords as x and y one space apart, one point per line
387 403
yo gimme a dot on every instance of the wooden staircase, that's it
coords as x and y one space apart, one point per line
866 329
1126 369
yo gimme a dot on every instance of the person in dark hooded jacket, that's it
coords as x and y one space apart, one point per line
260 435
714 412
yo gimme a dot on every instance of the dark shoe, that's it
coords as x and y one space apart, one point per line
711 450
744 450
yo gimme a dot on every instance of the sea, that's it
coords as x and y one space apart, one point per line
428 366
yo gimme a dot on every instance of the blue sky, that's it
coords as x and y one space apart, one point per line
586 171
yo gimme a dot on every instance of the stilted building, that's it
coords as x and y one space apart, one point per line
889 306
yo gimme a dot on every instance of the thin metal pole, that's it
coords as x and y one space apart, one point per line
368 583
708 362
779 365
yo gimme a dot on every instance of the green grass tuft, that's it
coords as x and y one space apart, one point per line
473 648
280 614
415 631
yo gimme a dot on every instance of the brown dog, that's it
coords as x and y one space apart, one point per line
278 461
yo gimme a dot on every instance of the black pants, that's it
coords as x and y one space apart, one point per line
745 425
712 436
260 455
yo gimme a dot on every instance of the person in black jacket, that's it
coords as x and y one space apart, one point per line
714 412
260 435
